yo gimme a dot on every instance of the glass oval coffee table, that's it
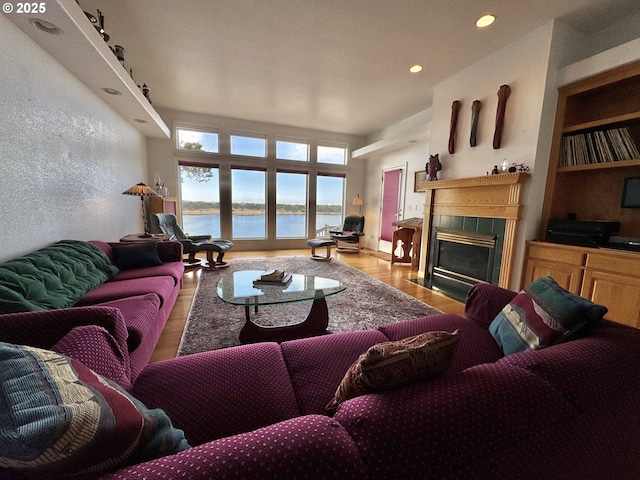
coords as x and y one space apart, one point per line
237 288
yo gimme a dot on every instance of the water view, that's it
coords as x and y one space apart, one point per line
253 226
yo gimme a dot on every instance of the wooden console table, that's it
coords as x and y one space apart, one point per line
410 234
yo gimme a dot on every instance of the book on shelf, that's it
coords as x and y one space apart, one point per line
600 146
273 277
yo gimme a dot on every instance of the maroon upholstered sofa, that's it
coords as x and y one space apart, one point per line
569 411
141 296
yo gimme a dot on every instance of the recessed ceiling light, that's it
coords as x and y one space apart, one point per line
415 68
485 21
111 91
45 26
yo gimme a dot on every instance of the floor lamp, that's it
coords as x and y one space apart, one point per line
141 190
357 200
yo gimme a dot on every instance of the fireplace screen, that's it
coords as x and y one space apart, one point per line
462 259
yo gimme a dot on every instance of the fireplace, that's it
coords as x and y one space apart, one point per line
461 259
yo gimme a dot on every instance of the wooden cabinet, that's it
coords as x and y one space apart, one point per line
164 205
589 183
562 262
608 277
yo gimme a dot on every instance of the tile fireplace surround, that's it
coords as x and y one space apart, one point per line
496 197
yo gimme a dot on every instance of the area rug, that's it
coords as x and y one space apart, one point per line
366 303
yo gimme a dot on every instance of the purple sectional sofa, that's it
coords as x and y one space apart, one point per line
135 298
569 411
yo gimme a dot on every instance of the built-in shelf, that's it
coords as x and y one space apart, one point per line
600 166
604 122
82 51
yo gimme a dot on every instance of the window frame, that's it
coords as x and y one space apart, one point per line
239 133
197 129
320 144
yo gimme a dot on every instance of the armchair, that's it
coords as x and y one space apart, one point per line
167 223
352 230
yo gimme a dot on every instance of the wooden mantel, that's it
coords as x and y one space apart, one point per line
491 196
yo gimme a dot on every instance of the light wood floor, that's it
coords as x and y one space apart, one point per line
397 275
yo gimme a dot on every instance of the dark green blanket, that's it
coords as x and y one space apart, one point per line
53 277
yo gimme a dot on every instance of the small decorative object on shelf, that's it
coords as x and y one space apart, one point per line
433 167
504 165
495 170
118 51
145 92
100 27
157 181
520 167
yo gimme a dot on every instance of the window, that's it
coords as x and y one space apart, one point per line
249 146
248 203
292 150
329 203
200 204
291 205
334 155
195 140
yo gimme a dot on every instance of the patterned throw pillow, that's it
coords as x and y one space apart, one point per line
390 365
541 315
60 419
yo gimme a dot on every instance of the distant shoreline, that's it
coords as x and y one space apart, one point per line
245 212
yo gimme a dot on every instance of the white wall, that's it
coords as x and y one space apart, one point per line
412 159
65 156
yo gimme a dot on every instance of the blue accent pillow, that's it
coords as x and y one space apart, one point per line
541 315
60 419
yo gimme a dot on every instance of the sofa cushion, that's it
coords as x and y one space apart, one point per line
592 372
61 419
391 365
541 315
317 364
133 287
140 316
222 392
52 277
451 428
174 270
306 447
475 343
136 255
95 348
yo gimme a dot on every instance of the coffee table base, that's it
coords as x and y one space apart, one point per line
316 323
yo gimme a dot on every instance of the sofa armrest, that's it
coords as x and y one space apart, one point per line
484 301
170 251
45 328
313 446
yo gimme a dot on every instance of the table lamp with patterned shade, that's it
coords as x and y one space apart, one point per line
141 190
357 200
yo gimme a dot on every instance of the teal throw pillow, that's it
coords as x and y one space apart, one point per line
60 419
541 315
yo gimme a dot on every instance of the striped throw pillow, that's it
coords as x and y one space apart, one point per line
60 419
541 315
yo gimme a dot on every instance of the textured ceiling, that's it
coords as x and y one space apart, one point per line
334 65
